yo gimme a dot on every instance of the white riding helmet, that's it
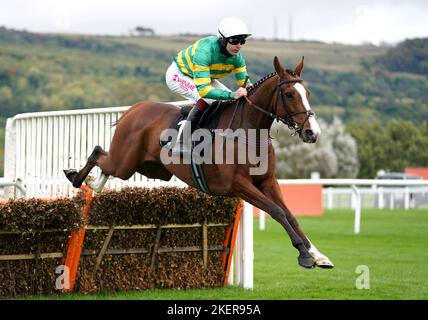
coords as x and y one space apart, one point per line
231 26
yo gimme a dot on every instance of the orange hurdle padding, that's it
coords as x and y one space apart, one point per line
227 238
229 241
75 245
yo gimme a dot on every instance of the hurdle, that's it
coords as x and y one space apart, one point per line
92 255
40 145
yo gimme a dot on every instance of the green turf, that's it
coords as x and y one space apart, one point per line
392 244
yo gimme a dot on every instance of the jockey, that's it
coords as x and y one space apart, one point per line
194 71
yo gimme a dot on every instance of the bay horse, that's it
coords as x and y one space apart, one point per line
135 147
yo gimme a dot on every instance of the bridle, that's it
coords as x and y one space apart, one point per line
288 120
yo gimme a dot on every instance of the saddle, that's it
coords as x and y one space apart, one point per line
209 120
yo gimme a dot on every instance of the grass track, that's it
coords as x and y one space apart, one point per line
393 244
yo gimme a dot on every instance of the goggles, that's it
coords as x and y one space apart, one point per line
236 40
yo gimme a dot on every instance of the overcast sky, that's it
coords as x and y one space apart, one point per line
345 21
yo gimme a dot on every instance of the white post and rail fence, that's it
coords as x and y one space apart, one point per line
378 188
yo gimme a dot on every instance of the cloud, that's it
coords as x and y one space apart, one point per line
330 20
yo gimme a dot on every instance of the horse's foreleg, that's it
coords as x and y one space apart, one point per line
251 194
321 260
271 189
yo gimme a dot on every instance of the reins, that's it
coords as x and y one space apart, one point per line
288 120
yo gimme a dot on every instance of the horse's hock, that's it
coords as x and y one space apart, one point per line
128 240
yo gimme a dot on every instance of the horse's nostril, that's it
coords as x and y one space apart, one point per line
309 136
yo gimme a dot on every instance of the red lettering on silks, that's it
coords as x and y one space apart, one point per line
186 85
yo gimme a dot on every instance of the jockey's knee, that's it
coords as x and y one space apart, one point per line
202 104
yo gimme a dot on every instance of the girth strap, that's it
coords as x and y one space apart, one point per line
198 174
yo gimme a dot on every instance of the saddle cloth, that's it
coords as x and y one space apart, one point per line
209 119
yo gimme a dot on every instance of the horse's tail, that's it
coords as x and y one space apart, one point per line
114 124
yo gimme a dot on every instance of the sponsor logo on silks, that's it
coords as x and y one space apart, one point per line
186 85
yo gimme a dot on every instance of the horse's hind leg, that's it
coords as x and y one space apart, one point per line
77 178
97 184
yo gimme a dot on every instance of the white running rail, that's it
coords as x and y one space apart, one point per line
353 183
39 146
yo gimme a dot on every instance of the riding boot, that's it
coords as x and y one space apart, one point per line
188 128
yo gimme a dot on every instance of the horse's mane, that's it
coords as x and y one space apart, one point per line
251 89
255 85
291 72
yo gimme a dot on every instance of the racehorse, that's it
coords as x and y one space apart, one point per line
135 147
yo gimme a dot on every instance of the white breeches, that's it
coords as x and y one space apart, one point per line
184 85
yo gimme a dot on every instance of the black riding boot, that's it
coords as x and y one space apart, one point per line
187 130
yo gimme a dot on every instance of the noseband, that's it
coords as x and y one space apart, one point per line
288 120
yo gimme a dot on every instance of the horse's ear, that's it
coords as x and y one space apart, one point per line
299 67
278 68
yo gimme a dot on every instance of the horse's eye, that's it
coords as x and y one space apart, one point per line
289 95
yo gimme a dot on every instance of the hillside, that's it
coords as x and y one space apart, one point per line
40 72
378 92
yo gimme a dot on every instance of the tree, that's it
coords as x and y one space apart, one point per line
334 155
371 141
408 56
390 146
144 32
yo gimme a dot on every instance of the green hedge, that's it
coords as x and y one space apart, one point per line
117 272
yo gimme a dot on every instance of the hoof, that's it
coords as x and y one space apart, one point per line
324 263
306 262
70 174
